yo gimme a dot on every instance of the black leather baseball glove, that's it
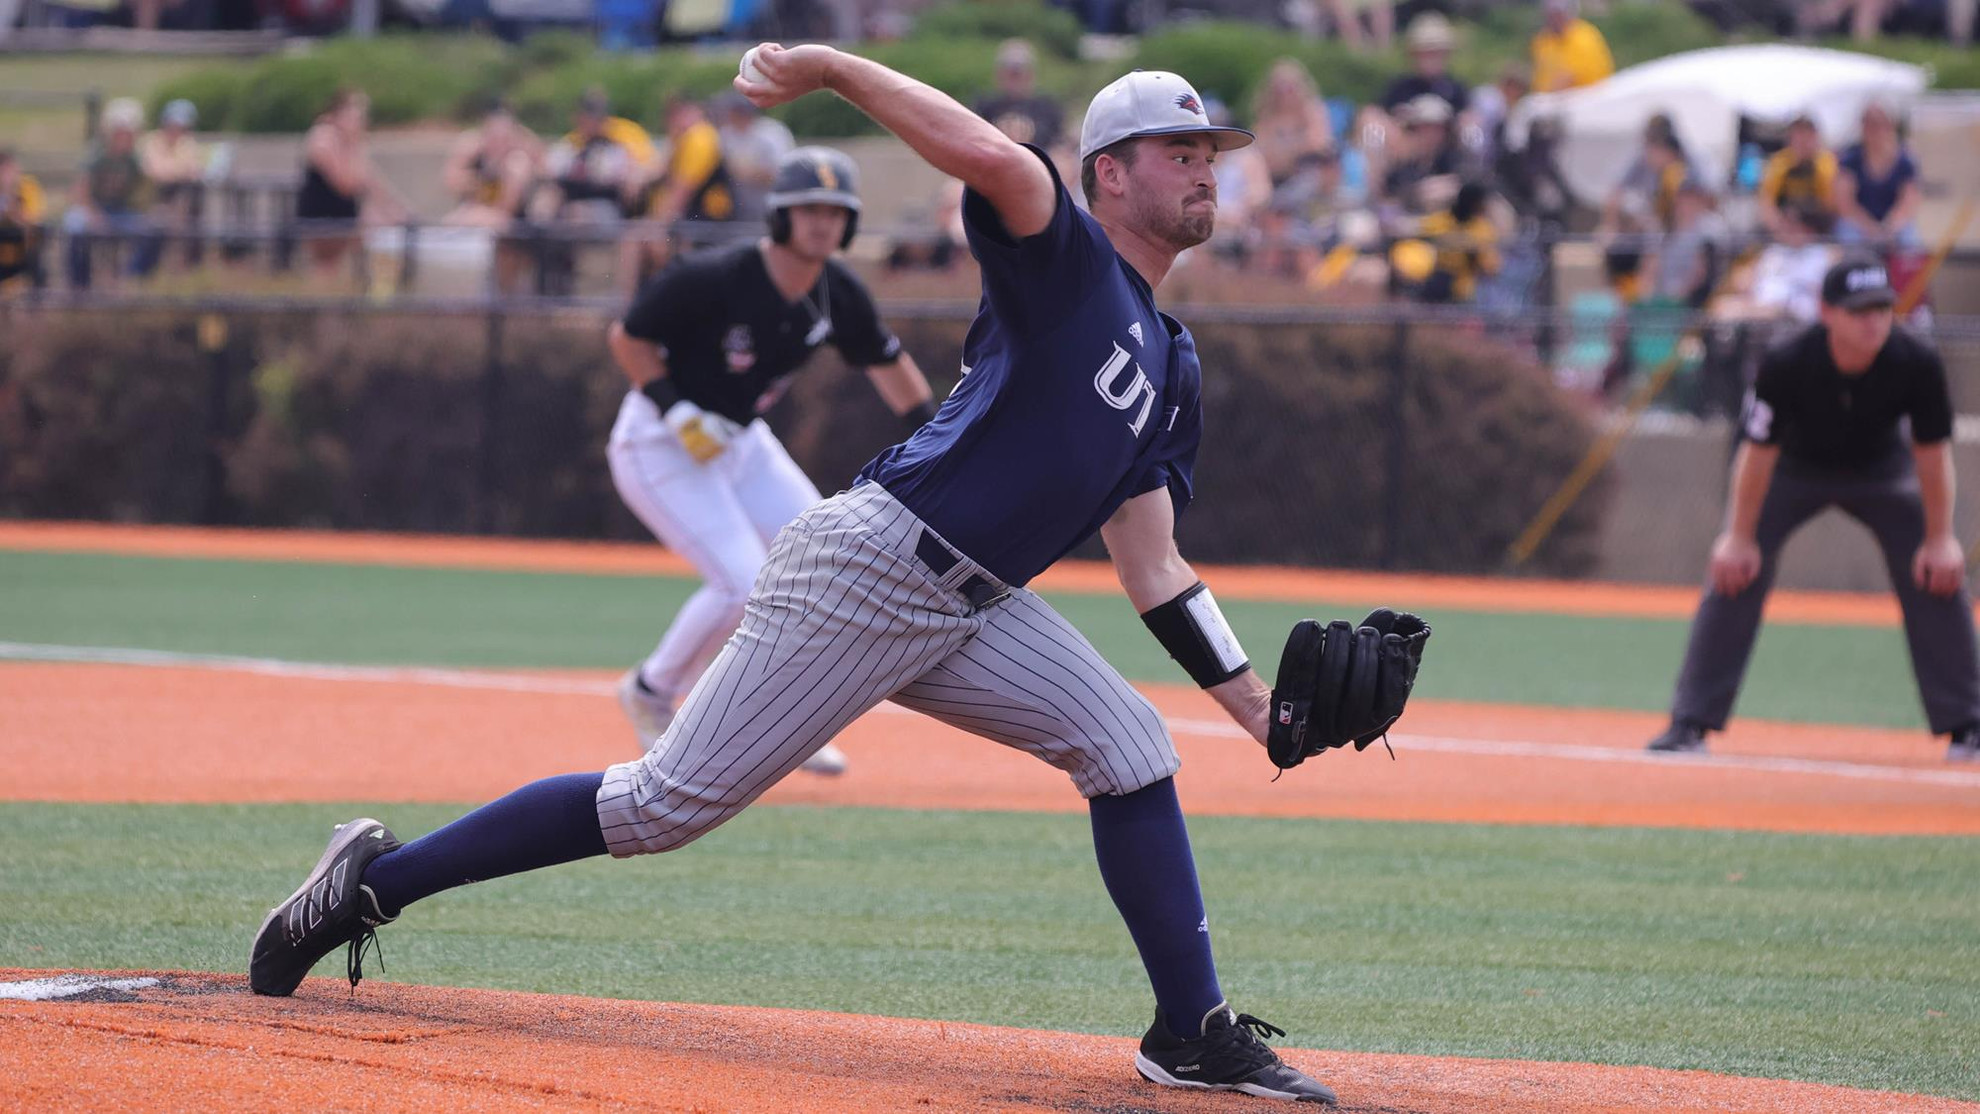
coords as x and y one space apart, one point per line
1342 684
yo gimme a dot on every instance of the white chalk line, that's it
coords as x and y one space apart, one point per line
497 681
68 986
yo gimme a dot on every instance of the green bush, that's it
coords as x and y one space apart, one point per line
638 86
408 77
429 76
1641 31
1229 60
217 91
1052 30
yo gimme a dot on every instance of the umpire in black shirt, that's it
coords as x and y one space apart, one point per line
1823 428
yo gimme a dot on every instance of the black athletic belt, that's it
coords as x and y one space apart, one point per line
978 590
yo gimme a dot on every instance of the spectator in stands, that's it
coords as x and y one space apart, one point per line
1363 23
1786 280
1645 201
1289 119
1876 187
752 145
596 169
1017 108
1463 246
110 196
1430 41
1311 215
1244 188
1801 175
175 163
1692 254
340 186
1568 52
592 176
1493 104
491 170
1421 175
692 185
23 208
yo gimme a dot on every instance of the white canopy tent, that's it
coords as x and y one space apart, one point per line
1706 93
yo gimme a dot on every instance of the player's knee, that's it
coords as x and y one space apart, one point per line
649 810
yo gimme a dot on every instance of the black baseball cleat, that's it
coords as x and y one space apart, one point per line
330 908
1681 737
1230 1056
1965 745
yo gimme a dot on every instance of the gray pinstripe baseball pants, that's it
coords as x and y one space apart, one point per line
843 616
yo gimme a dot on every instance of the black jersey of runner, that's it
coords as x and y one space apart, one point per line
730 337
1823 418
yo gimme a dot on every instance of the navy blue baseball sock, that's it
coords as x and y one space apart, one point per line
542 824
1143 849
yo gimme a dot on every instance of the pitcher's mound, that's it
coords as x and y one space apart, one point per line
185 1041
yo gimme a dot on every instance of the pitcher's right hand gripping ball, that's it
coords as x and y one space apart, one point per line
1341 684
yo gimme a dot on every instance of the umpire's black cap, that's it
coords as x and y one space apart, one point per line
1859 282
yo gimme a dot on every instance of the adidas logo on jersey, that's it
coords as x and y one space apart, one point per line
1134 330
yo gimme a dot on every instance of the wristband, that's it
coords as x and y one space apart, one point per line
920 414
661 391
1193 631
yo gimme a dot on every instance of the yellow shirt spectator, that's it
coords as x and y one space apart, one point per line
25 203
1466 251
635 139
695 166
23 207
1789 181
1577 55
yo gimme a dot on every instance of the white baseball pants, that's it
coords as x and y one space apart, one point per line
720 515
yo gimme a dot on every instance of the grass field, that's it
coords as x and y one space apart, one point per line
1835 959
383 615
1826 958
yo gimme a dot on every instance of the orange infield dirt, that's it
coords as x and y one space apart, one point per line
208 735
1246 582
201 1042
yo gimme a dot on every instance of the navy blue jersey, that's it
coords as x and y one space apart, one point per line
1077 394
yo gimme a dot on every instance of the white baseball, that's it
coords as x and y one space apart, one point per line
748 68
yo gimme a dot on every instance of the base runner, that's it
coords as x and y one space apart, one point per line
709 344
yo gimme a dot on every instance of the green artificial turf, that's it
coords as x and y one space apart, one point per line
384 615
1846 960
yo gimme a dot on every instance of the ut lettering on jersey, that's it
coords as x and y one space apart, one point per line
1136 391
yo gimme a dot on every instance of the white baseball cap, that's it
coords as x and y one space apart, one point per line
1150 102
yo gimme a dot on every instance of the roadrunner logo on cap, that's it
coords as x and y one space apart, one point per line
1187 102
826 177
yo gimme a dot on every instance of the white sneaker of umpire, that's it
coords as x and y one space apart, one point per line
650 714
830 761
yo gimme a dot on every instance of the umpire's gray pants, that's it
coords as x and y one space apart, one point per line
843 616
1939 629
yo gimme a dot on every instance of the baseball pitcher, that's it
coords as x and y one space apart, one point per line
1078 413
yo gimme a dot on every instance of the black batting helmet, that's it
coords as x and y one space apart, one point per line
813 176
